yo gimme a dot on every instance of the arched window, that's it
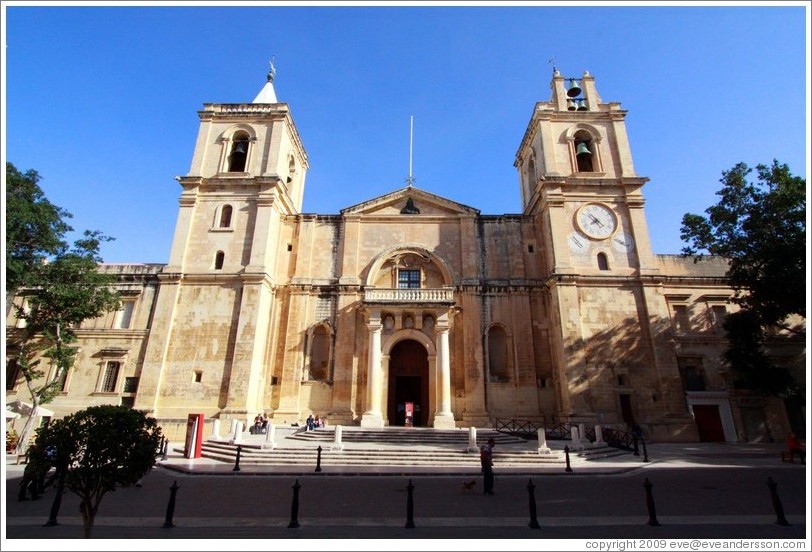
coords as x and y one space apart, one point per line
218 260
584 151
603 262
499 357
291 168
319 366
531 174
239 152
225 216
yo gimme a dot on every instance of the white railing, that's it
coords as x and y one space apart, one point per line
409 295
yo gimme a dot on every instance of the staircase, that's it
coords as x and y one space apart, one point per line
397 436
383 447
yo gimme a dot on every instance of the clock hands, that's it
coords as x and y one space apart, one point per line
595 220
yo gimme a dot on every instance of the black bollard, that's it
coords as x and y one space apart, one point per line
409 506
318 459
161 446
237 461
652 512
636 450
779 509
531 491
294 507
645 450
57 503
568 469
170 508
166 449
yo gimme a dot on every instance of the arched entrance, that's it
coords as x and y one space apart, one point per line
408 382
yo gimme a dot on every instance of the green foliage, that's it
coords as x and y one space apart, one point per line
35 228
752 368
59 282
760 227
99 449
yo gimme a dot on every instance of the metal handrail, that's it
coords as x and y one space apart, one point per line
617 438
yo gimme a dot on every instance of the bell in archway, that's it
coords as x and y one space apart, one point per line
571 105
582 105
581 149
574 90
239 147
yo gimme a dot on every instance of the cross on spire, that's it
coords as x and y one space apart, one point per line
272 70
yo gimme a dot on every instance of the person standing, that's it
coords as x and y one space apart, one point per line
486 459
795 447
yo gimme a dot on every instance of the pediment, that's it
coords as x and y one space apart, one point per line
409 201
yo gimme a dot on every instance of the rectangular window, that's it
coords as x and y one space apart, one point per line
693 378
408 279
110 376
719 315
124 316
62 378
681 319
12 373
23 322
130 385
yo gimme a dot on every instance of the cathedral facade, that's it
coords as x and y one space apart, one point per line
413 309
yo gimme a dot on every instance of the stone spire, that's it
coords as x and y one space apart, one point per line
267 95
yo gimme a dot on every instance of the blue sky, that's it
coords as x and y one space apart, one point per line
102 101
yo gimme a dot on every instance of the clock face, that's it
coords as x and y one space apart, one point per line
622 242
578 243
596 221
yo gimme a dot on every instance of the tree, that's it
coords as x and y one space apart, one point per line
99 449
760 227
58 284
35 227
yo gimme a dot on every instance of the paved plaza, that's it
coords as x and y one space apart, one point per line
699 491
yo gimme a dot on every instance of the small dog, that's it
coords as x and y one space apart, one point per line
468 486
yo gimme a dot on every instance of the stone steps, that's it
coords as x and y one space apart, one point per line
420 436
600 453
254 454
392 447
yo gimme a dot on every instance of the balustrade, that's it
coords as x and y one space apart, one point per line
409 295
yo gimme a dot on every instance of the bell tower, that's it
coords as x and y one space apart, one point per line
230 253
577 178
579 186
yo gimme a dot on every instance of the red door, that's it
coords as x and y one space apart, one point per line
709 423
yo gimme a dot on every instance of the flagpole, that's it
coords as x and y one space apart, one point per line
410 180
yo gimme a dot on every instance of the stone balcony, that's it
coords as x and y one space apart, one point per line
409 296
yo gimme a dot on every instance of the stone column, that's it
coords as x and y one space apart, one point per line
543 448
337 445
443 417
472 439
270 438
575 435
599 442
236 438
215 430
373 417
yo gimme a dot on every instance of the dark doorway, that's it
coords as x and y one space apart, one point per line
626 409
408 383
709 423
